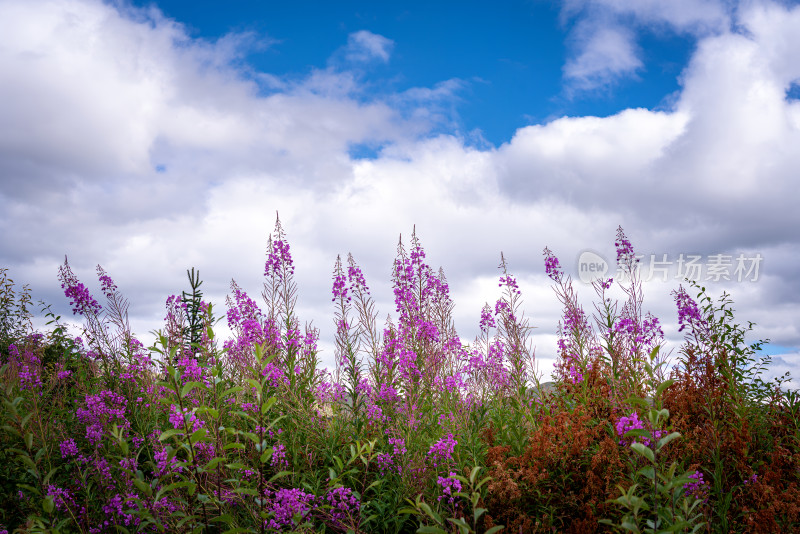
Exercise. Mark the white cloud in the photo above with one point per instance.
(606, 55)
(603, 39)
(364, 45)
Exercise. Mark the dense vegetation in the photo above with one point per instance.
(415, 431)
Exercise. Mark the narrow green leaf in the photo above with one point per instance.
(144, 488)
(280, 474)
(169, 433)
(666, 439)
(663, 386)
(188, 387)
(644, 451)
(267, 406)
(214, 462)
(494, 529)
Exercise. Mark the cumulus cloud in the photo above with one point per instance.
(604, 35)
(364, 45)
(125, 142)
(607, 54)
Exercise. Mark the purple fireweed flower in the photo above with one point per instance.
(340, 287)
(487, 321)
(116, 506)
(278, 460)
(279, 259)
(101, 411)
(450, 485)
(68, 448)
(625, 254)
(178, 418)
(286, 504)
(80, 299)
(62, 498)
(29, 368)
(107, 285)
(697, 487)
(385, 463)
(345, 507)
(688, 311)
(552, 266)
(355, 277)
(632, 422)
(164, 464)
(442, 451)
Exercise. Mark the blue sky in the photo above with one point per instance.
(508, 61)
(154, 137)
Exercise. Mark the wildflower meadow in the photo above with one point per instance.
(416, 430)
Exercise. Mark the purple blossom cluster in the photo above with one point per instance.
(552, 266)
(688, 312)
(286, 504)
(101, 411)
(697, 488)
(81, 300)
(646, 334)
(632, 422)
(29, 368)
(279, 265)
(391, 461)
(68, 448)
(487, 319)
(345, 506)
(625, 253)
(450, 486)
(107, 285)
(279, 460)
(441, 452)
(62, 498)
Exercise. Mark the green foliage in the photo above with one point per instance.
(656, 502)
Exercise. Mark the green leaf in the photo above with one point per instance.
(199, 435)
(29, 440)
(144, 488)
(188, 387)
(254, 383)
(27, 461)
(214, 462)
(267, 455)
(644, 451)
(494, 529)
(648, 472)
(267, 406)
(169, 433)
(431, 530)
(47, 504)
(279, 474)
(663, 386)
(666, 439)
